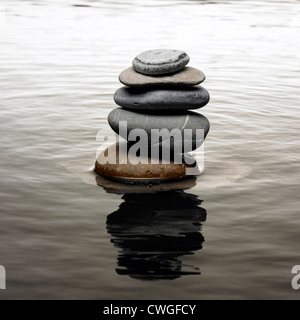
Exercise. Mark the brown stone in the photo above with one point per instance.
(186, 77)
(127, 171)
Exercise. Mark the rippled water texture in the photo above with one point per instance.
(234, 233)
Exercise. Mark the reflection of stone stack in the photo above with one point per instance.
(152, 245)
(159, 91)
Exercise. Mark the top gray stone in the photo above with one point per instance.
(160, 61)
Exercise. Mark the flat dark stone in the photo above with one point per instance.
(182, 98)
(148, 121)
(160, 61)
(188, 76)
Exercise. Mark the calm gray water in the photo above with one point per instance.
(234, 234)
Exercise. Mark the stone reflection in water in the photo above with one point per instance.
(154, 232)
(116, 187)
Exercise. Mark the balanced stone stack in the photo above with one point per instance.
(159, 91)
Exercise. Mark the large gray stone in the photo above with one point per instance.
(188, 76)
(184, 138)
(162, 98)
(160, 61)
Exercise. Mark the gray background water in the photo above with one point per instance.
(59, 66)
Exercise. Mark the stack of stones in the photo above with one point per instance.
(159, 91)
